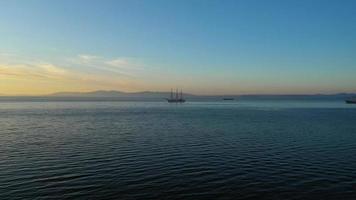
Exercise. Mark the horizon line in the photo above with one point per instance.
(202, 95)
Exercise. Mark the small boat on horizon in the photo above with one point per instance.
(351, 101)
(228, 99)
(178, 97)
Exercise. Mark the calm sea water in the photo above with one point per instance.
(198, 150)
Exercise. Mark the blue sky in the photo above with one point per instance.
(204, 47)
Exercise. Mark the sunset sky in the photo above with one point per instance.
(204, 47)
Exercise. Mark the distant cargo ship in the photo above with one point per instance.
(351, 101)
(178, 97)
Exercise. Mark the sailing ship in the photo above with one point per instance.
(177, 98)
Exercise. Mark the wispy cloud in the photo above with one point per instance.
(77, 65)
(53, 70)
(18, 71)
(82, 71)
(85, 58)
(123, 63)
(39, 70)
(120, 65)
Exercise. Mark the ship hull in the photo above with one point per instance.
(350, 101)
(175, 100)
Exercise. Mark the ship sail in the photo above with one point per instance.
(178, 97)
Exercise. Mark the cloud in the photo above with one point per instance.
(85, 58)
(37, 71)
(82, 72)
(52, 69)
(74, 66)
(121, 66)
(120, 63)
(117, 62)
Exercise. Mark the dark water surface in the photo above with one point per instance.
(152, 150)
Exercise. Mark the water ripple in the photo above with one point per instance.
(196, 151)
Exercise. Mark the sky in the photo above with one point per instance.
(202, 46)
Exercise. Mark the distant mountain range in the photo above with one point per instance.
(162, 95)
(117, 94)
(109, 95)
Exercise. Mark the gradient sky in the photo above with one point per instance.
(204, 47)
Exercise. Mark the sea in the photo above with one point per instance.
(218, 150)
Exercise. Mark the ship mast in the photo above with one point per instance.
(176, 96)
